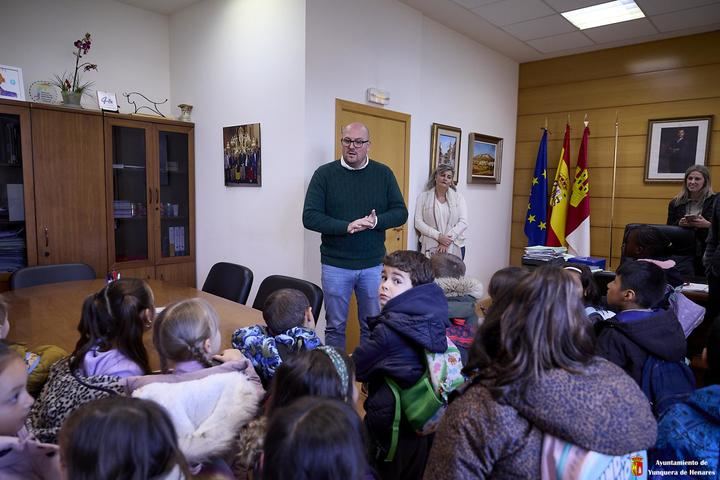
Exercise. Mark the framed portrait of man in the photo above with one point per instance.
(674, 145)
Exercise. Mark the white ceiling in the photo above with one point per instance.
(528, 30)
(166, 7)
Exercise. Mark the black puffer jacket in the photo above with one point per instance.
(627, 341)
(410, 323)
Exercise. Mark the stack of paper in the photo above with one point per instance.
(12, 250)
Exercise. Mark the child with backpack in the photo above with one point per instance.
(413, 320)
(21, 456)
(639, 330)
(534, 375)
(288, 330)
(462, 294)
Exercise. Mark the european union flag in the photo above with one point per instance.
(536, 217)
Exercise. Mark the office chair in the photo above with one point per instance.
(43, 274)
(230, 281)
(276, 282)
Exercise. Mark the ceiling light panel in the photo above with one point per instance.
(604, 14)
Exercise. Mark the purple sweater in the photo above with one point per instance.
(111, 362)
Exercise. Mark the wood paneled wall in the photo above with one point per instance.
(670, 78)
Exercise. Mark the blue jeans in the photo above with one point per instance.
(338, 285)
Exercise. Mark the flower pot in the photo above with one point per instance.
(71, 98)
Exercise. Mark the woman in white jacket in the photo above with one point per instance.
(441, 215)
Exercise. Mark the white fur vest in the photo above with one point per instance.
(207, 412)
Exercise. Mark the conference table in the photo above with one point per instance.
(49, 314)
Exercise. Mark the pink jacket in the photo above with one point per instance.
(24, 458)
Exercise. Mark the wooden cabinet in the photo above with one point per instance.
(150, 198)
(69, 177)
(17, 211)
(114, 191)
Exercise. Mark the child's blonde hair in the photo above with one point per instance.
(181, 330)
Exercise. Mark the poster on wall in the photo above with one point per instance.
(11, 83)
(241, 149)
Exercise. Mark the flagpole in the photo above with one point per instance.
(612, 194)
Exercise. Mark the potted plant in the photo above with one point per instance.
(71, 86)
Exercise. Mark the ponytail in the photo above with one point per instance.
(113, 318)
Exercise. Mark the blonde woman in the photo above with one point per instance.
(692, 208)
(441, 215)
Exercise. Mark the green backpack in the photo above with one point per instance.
(424, 403)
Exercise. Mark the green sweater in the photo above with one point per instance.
(337, 196)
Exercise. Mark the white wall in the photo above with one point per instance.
(238, 62)
(130, 45)
(433, 74)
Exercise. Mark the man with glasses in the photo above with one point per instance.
(351, 202)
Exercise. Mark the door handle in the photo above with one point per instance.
(47, 241)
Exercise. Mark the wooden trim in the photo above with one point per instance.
(678, 52)
(148, 119)
(61, 108)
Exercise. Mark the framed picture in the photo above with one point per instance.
(484, 158)
(445, 147)
(241, 149)
(674, 144)
(11, 83)
(107, 101)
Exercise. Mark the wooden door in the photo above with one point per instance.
(174, 173)
(390, 144)
(129, 193)
(17, 215)
(69, 175)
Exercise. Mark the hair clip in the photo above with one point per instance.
(339, 364)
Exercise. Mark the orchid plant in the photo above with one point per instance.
(75, 85)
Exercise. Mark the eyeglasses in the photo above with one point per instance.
(357, 143)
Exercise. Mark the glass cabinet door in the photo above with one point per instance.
(13, 246)
(174, 182)
(130, 193)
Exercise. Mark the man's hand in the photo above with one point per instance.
(367, 222)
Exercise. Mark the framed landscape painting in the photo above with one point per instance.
(484, 158)
(445, 147)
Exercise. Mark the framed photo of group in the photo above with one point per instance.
(484, 158)
(445, 147)
(674, 144)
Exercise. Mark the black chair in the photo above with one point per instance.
(228, 280)
(276, 282)
(681, 246)
(43, 274)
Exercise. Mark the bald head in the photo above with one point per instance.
(356, 129)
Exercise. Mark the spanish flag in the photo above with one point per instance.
(578, 217)
(559, 196)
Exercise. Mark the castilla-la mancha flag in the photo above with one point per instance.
(559, 196)
(578, 217)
